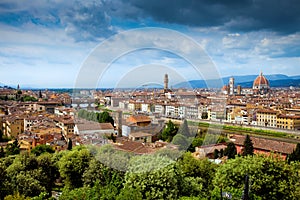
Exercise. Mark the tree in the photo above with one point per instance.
(295, 155)
(112, 137)
(13, 148)
(169, 131)
(184, 129)
(2, 153)
(98, 173)
(197, 175)
(1, 135)
(216, 153)
(104, 117)
(69, 144)
(48, 171)
(40, 149)
(129, 194)
(204, 115)
(248, 147)
(230, 150)
(16, 196)
(27, 176)
(72, 165)
(197, 142)
(181, 141)
(154, 176)
(270, 178)
(40, 94)
(3, 181)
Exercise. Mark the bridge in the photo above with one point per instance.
(83, 103)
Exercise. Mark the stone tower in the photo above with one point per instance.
(166, 82)
(231, 86)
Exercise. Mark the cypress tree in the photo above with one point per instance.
(230, 150)
(248, 147)
(295, 155)
(69, 144)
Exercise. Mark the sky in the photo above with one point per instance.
(131, 43)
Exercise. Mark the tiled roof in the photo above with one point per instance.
(266, 144)
(135, 147)
(139, 118)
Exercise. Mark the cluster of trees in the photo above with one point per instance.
(103, 117)
(105, 173)
(11, 149)
(188, 138)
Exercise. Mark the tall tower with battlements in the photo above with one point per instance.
(166, 82)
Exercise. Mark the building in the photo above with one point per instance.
(139, 120)
(13, 126)
(261, 85)
(89, 127)
(264, 146)
(207, 151)
(166, 82)
(231, 86)
(266, 117)
(140, 137)
(288, 121)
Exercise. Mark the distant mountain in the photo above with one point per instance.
(276, 80)
(276, 83)
(248, 78)
(295, 77)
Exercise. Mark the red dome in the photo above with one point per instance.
(261, 81)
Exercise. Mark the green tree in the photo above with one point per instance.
(156, 177)
(181, 141)
(72, 165)
(40, 149)
(204, 115)
(69, 144)
(129, 194)
(1, 135)
(197, 175)
(98, 173)
(48, 171)
(2, 153)
(26, 177)
(16, 196)
(96, 192)
(169, 131)
(248, 146)
(197, 142)
(4, 190)
(216, 153)
(184, 129)
(13, 148)
(230, 150)
(270, 177)
(104, 117)
(295, 155)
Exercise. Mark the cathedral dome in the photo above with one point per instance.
(261, 80)
(261, 83)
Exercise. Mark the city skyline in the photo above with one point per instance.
(45, 44)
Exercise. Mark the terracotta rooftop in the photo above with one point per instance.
(135, 147)
(139, 118)
(104, 126)
(266, 144)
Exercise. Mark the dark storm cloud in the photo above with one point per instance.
(91, 19)
(82, 20)
(241, 15)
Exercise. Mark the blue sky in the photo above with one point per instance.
(47, 43)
